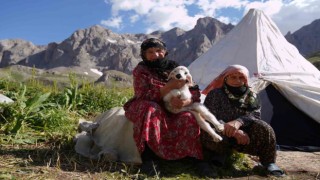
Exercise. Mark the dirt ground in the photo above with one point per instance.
(49, 164)
(295, 161)
(297, 165)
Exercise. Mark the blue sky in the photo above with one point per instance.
(45, 21)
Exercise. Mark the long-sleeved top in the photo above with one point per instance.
(170, 136)
(219, 104)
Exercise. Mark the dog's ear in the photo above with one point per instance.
(189, 77)
(171, 74)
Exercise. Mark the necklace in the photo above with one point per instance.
(248, 98)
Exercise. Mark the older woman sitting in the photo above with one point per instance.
(230, 99)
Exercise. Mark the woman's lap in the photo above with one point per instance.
(262, 142)
(170, 136)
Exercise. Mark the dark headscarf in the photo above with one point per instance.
(161, 66)
(151, 43)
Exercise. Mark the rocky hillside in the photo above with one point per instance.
(100, 48)
(13, 51)
(190, 45)
(93, 47)
(306, 39)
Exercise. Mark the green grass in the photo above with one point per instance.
(49, 109)
(315, 59)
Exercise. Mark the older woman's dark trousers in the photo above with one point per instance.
(262, 143)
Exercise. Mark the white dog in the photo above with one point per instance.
(200, 112)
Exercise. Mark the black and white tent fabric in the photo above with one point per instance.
(288, 84)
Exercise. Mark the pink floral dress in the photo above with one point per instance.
(170, 136)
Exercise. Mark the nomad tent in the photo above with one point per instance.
(289, 85)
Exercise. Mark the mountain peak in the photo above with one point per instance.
(307, 38)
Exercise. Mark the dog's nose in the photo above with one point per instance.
(178, 76)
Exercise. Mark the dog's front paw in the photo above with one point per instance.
(175, 92)
(220, 127)
(217, 138)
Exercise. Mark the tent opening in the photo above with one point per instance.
(293, 128)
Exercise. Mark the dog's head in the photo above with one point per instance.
(181, 72)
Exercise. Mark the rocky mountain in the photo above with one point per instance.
(306, 39)
(100, 48)
(93, 47)
(190, 45)
(13, 51)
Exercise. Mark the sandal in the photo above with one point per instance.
(274, 170)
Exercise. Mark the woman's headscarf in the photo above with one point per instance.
(151, 43)
(218, 82)
(161, 66)
(241, 97)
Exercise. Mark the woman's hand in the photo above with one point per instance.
(178, 103)
(175, 84)
(230, 128)
(242, 137)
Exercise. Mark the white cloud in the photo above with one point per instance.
(138, 6)
(270, 7)
(169, 17)
(113, 22)
(134, 18)
(167, 14)
(210, 7)
(158, 15)
(296, 14)
(224, 19)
